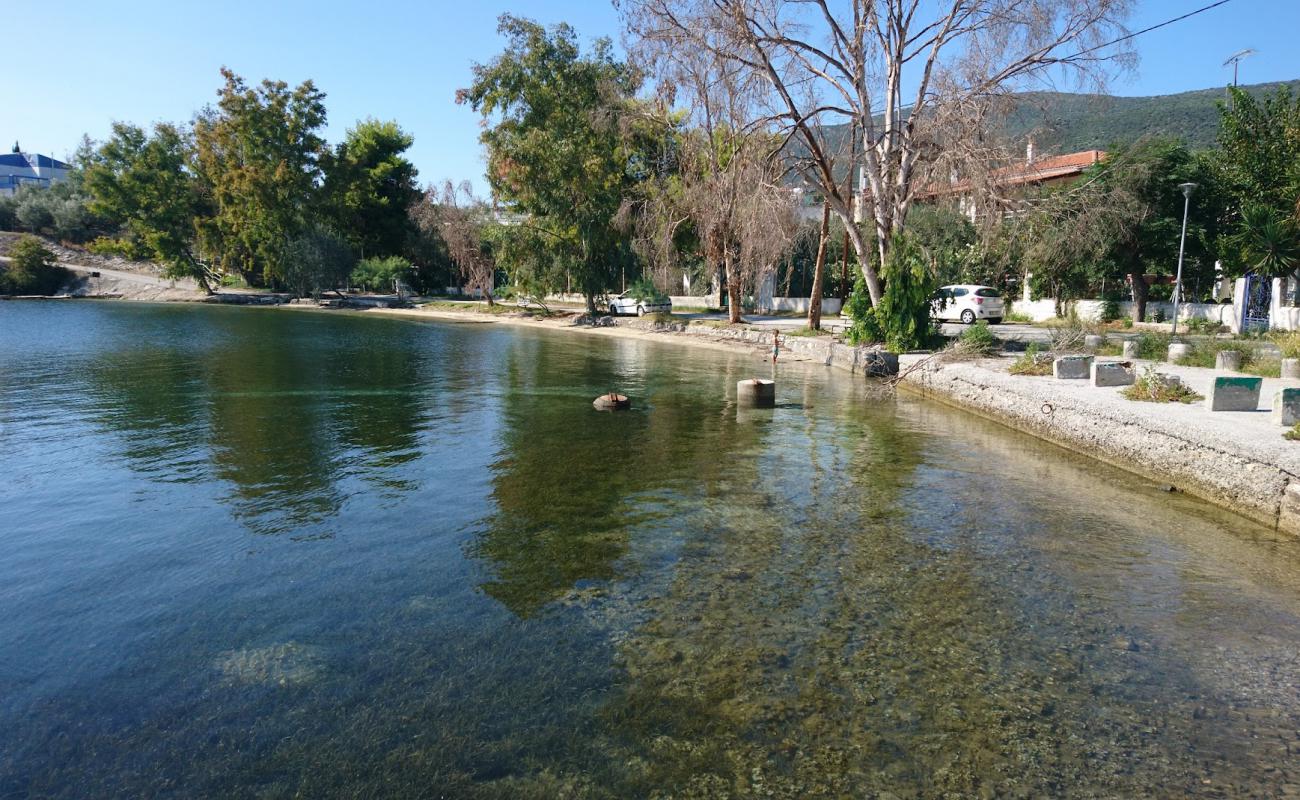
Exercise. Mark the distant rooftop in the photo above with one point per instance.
(31, 161)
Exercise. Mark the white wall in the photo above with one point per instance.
(1222, 313)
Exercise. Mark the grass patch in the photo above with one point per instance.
(1293, 434)
(1157, 387)
(1288, 343)
(1032, 362)
(806, 332)
(1253, 362)
(1017, 316)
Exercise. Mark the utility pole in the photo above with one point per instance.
(1187, 188)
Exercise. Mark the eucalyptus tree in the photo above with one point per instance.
(851, 62)
(258, 156)
(147, 182)
(463, 223)
(557, 160)
(729, 177)
(370, 186)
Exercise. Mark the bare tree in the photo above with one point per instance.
(729, 176)
(460, 220)
(851, 62)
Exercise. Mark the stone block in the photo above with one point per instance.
(1072, 367)
(1286, 406)
(1291, 369)
(1113, 373)
(756, 392)
(1229, 360)
(1234, 394)
(879, 363)
(1178, 350)
(1092, 341)
(1131, 349)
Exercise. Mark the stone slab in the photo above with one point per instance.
(1072, 367)
(1291, 368)
(1286, 406)
(1178, 350)
(1234, 394)
(1113, 373)
(1092, 341)
(1131, 349)
(1229, 360)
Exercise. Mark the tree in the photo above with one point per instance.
(462, 221)
(556, 159)
(258, 156)
(317, 260)
(147, 184)
(851, 64)
(1122, 221)
(31, 269)
(370, 186)
(380, 274)
(728, 177)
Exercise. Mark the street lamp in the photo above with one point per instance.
(1187, 188)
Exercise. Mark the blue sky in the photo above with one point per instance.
(73, 67)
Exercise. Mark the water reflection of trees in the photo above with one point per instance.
(280, 406)
(572, 484)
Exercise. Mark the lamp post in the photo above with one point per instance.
(1187, 188)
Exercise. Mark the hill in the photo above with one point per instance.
(1066, 123)
(1062, 122)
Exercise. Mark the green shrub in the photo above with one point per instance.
(979, 338)
(1153, 346)
(1109, 308)
(865, 326)
(1205, 354)
(1032, 362)
(644, 289)
(1288, 343)
(1156, 387)
(904, 310)
(378, 274)
(31, 269)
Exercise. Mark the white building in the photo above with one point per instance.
(19, 169)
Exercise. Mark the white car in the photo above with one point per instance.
(627, 304)
(967, 302)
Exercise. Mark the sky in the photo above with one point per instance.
(75, 67)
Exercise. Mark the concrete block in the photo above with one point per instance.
(1130, 349)
(1234, 394)
(879, 363)
(1113, 373)
(1178, 350)
(756, 392)
(1072, 367)
(1229, 360)
(1092, 341)
(1291, 369)
(1286, 407)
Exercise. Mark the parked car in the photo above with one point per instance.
(967, 302)
(625, 303)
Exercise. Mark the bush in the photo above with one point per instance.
(904, 311)
(1032, 362)
(317, 261)
(31, 269)
(1109, 308)
(1153, 346)
(1156, 387)
(644, 289)
(979, 338)
(378, 274)
(865, 327)
(1288, 343)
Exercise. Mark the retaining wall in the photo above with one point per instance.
(1256, 479)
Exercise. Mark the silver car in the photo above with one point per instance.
(627, 304)
(967, 302)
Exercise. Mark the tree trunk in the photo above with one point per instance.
(864, 259)
(1139, 285)
(819, 273)
(733, 290)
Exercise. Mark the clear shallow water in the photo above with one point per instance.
(252, 552)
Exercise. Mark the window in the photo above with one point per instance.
(987, 292)
(959, 292)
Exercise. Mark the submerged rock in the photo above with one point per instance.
(274, 665)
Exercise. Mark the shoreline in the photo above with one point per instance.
(1233, 460)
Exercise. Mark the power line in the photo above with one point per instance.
(1126, 37)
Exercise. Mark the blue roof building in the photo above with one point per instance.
(19, 169)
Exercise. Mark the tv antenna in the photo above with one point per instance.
(1235, 59)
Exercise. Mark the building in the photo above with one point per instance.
(21, 169)
(1014, 183)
